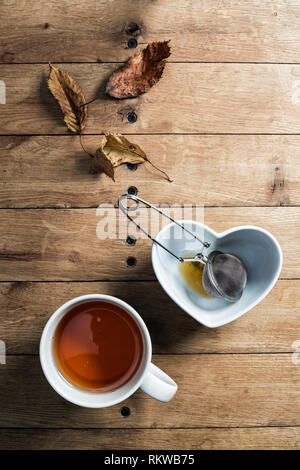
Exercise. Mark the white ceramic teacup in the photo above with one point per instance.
(148, 377)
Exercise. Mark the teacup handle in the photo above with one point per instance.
(158, 385)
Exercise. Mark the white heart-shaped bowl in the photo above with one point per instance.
(257, 247)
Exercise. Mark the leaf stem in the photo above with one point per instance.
(85, 104)
(83, 148)
(161, 171)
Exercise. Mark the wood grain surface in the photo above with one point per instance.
(47, 171)
(237, 389)
(224, 123)
(266, 438)
(200, 31)
(63, 244)
(211, 98)
(269, 327)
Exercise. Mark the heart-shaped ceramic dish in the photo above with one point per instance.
(257, 247)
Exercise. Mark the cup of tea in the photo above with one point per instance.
(96, 351)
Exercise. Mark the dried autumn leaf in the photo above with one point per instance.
(140, 73)
(115, 150)
(70, 98)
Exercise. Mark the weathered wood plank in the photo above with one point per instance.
(62, 244)
(212, 170)
(235, 31)
(212, 98)
(269, 327)
(224, 390)
(284, 438)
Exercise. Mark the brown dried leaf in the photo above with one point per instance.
(115, 150)
(70, 98)
(140, 73)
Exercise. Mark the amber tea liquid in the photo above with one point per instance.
(192, 273)
(98, 346)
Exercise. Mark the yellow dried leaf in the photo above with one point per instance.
(115, 150)
(70, 98)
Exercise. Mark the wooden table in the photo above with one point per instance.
(224, 121)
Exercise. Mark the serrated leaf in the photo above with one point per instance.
(70, 98)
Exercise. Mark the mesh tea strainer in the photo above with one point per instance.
(224, 274)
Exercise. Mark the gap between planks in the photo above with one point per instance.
(213, 353)
(168, 62)
(187, 206)
(73, 281)
(184, 134)
(280, 426)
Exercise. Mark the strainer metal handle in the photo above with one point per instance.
(198, 257)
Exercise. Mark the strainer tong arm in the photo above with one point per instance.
(198, 257)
